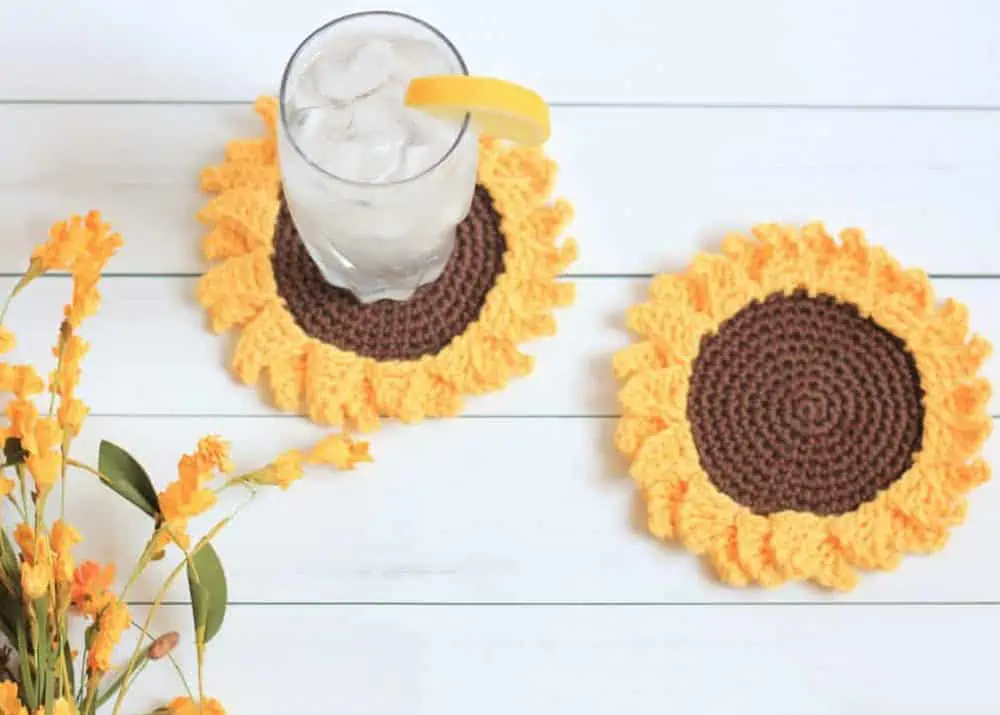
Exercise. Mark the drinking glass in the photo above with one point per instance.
(376, 190)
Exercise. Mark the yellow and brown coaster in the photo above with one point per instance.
(799, 406)
(340, 362)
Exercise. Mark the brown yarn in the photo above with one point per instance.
(394, 330)
(800, 403)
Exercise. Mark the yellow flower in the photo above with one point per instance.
(36, 573)
(186, 706)
(64, 538)
(340, 451)
(62, 706)
(214, 451)
(71, 415)
(187, 496)
(86, 301)
(90, 589)
(48, 434)
(6, 487)
(7, 340)
(23, 417)
(111, 623)
(180, 501)
(67, 242)
(44, 461)
(285, 470)
(22, 380)
(81, 243)
(101, 245)
(35, 580)
(24, 535)
(65, 379)
(45, 468)
(10, 702)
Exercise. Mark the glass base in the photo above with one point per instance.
(374, 291)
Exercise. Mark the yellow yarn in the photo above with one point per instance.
(338, 387)
(913, 515)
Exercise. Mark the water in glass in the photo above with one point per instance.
(375, 189)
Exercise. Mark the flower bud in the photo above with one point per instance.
(163, 645)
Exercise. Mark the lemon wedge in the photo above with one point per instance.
(501, 109)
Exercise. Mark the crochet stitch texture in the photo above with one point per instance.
(920, 479)
(338, 387)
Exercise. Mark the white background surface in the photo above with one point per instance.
(496, 563)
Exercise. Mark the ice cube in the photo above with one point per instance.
(361, 161)
(417, 158)
(342, 79)
(419, 57)
(374, 62)
(378, 116)
(432, 131)
(303, 93)
(321, 123)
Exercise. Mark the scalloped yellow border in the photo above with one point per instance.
(913, 515)
(338, 387)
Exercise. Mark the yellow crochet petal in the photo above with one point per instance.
(913, 515)
(236, 291)
(225, 241)
(269, 338)
(342, 388)
(256, 151)
(250, 212)
(337, 388)
(657, 393)
(288, 382)
(241, 175)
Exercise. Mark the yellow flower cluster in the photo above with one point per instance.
(91, 586)
(112, 621)
(187, 706)
(90, 595)
(188, 496)
(45, 573)
(46, 560)
(10, 703)
(82, 246)
(337, 450)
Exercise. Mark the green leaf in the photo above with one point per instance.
(30, 694)
(8, 559)
(127, 477)
(209, 592)
(43, 649)
(11, 613)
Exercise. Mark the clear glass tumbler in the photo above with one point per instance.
(376, 190)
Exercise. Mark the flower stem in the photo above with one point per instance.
(157, 602)
(173, 660)
(87, 468)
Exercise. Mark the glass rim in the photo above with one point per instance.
(337, 21)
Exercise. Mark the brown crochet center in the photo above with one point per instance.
(394, 330)
(799, 403)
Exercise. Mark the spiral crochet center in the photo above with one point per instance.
(800, 403)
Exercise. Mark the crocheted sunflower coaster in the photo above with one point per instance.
(799, 407)
(341, 362)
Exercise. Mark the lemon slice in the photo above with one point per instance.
(501, 109)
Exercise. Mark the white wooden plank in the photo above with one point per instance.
(152, 352)
(595, 661)
(487, 510)
(825, 51)
(665, 183)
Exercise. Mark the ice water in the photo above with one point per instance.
(376, 189)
